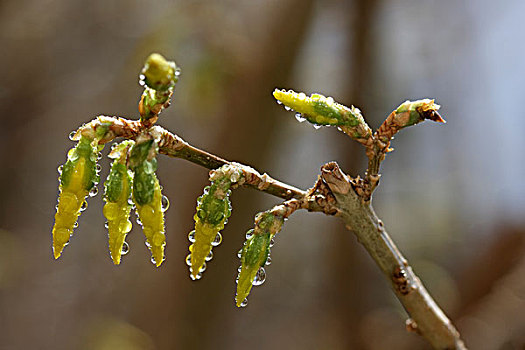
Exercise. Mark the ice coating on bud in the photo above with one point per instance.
(78, 177)
(213, 210)
(147, 196)
(117, 208)
(255, 252)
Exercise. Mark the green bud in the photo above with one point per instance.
(160, 74)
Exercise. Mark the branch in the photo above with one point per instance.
(426, 318)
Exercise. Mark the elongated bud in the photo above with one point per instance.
(407, 114)
(321, 110)
(255, 252)
(158, 77)
(213, 210)
(117, 194)
(148, 197)
(78, 177)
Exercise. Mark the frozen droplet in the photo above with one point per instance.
(72, 135)
(196, 277)
(99, 156)
(106, 224)
(217, 240)
(142, 80)
(239, 269)
(329, 100)
(188, 260)
(287, 108)
(244, 302)
(301, 96)
(191, 236)
(279, 102)
(138, 220)
(249, 234)
(84, 206)
(165, 203)
(260, 277)
(56, 207)
(203, 268)
(177, 72)
(268, 261)
(147, 244)
(272, 242)
(75, 225)
(60, 169)
(98, 167)
(125, 248)
(299, 117)
(93, 192)
(239, 253)
(130, 201)
(209, 256)
(317, 126)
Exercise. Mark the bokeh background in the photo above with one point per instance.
(452, 195)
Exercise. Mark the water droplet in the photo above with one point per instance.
(106, 224)
(98, 167)
(99, 156)
(93, 192)
(260, 277)
(130, 201)
(142, 80)
(268, 261)
(272, 242)
(56, 207)
(217, 240)
(191, 236)
(138, 220)
(279, 102)
(84, 206)
(153, 261)
(287, 108)
(249, 234)
(235, 177)
(239, 269)
(197, 277)
(209, 256)
(188, 260)
(72, 135)
(317, 126)
(239, 253)
(125, 248)
(203, 268)
(75, 225)
(244, 302)
(177, 72)
(60, 169)
(299, 117)
(165, 203)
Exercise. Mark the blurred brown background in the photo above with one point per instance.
(452, 196)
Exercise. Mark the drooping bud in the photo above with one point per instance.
(79, 176)
(117, 194)
(148, 197)
(213, 210)
(255, 252)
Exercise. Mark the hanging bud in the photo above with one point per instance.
(255, 252)
(407, 114)
(78, 177)
(213, 210)
(148, 197)
(321, 110)
(117, 207)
